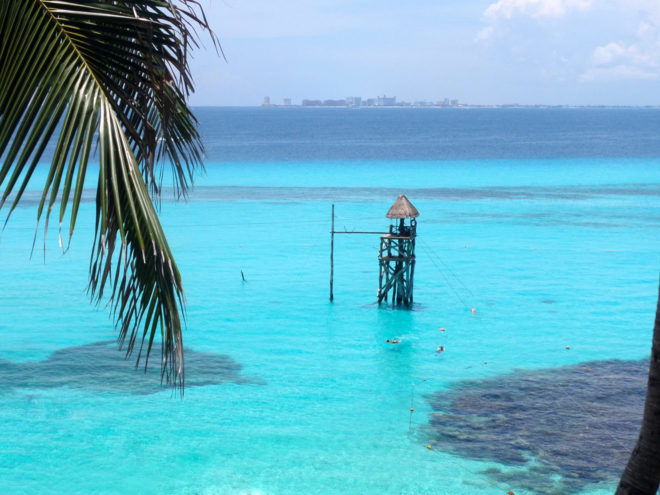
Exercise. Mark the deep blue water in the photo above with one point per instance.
(547, 222)
(303, 134)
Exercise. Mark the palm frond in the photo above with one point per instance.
(114, 74)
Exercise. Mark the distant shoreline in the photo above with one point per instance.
(436, 107)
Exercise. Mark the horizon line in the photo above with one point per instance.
(460, 106)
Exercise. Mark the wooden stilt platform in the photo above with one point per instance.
(396, 256)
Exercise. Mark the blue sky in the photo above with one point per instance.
(476, 51)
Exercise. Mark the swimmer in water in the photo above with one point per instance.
(441, 348)
(393, 341)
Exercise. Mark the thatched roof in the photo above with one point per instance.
(402, 208)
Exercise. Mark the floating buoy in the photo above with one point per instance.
(474, 310)
(429, 447)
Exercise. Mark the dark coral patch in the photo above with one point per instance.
(560, 429)
(101, 367)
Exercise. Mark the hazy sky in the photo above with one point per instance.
(477, 51)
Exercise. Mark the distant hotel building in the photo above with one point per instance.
(312, 103)
(334, 103)
(384, 101)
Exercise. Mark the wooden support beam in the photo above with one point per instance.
(356, 232)
(393, 279)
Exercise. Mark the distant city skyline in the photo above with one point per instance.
(358, 101)
(486, 52)
(389, 102)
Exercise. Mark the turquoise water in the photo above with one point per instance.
(550, 253)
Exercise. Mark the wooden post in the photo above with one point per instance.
(332, 253)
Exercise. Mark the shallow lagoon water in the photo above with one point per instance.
(549, 252)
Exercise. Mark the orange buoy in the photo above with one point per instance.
(429, 447)
(510, 492)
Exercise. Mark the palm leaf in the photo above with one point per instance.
(111, 76)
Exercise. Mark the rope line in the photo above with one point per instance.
(447, 281)
(447, 267)
(597, 427)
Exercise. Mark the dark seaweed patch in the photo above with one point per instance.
(560, 429)
(100, 367)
